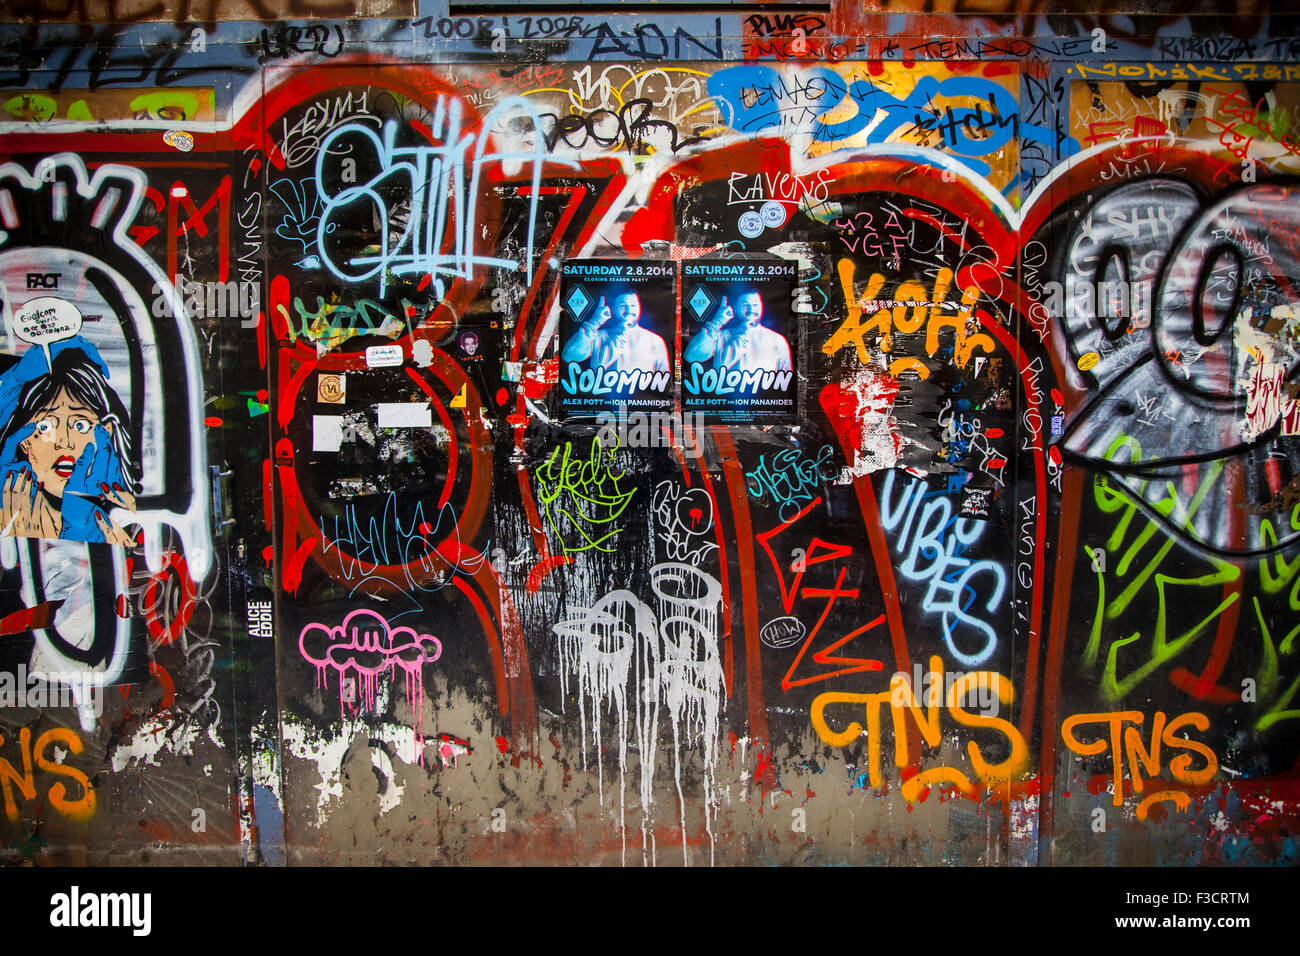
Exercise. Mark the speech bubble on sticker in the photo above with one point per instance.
(179, 139)
(47, 319)
(1088, 360)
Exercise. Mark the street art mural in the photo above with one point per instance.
(865, 436)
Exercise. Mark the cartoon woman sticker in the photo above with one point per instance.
(65, 448)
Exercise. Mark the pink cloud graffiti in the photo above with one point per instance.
(367, 645)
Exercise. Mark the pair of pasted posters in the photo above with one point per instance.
(628, 327)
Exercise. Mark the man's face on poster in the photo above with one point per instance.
(750, 310)
(627, 309)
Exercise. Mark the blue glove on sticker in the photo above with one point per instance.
(98, 465)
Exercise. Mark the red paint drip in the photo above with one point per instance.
(168, 685)
(278, 311)
(1273, 474)
(261, 341)
(544, 567)
(503, 745)
(293, 567)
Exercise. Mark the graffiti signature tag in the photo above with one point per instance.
(583, 494)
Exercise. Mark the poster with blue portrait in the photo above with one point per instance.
(617, 337)
(69, 475)
(104, 483)
(65, 447)
(740, 349)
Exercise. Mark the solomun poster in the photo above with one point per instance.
(739, 357)
(617, 336)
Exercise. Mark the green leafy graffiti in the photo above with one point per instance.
(583, 496)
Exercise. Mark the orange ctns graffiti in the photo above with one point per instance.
(42, 755)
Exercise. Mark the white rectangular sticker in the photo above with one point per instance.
(379, 356)
(326, 432)
(405, 415)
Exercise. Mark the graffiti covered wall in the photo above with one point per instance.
(785, 436)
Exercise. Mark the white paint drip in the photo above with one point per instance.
(154, 736)
(670, 659)
(690, 672)
(324, 751)
(599, 646)
(390, 795)
(328, 751)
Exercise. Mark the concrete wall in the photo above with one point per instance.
(330, 516)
